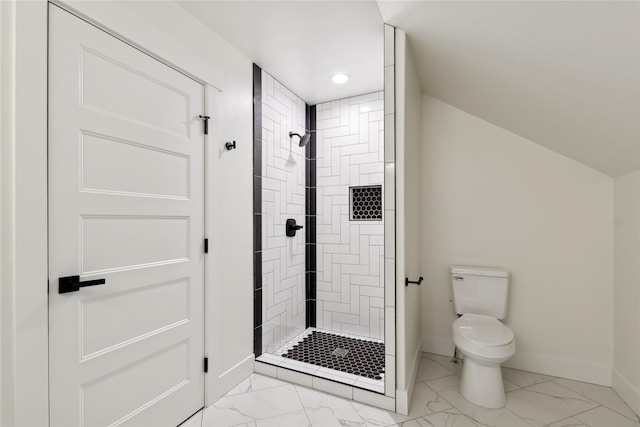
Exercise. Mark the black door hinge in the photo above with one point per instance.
(206, 365)
(206, 246)
(206, 123)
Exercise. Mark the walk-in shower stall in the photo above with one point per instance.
(320, 212)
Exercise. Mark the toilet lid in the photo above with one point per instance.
(484, 330)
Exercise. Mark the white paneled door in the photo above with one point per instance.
(126, 177)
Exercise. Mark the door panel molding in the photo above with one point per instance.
(131, 349)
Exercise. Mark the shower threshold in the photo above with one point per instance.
(344, 358)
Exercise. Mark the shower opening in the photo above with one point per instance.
(319, 294)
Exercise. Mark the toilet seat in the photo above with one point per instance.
(483, 330)
(483, 336)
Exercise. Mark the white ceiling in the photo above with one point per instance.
(565, 74)
(304, 43)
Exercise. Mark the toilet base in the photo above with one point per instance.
(481, 384)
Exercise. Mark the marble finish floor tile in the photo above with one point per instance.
(447, 388)
(547, 402)
(243, 387)
(298, 418)
(605, 396)
(255, 382)
(604, 417)
(509, 386)
(250, 406)
(448, 418)
(445, 362)
(568, 422)
(430, 370)
(524, 378)
(326, 410)
(262, 401)
(260, 382)
(376, 417)
(424, 401)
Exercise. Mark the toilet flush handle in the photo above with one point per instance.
(458, 278)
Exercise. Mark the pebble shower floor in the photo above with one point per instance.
(345, 354)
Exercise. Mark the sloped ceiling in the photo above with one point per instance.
(564, 74)
(304, 43)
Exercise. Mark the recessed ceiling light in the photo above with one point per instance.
(340, 79)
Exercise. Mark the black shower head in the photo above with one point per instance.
(304, 139)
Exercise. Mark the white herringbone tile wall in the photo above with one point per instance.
(283, 196)
(350, 257)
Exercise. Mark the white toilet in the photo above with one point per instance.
(480, 296)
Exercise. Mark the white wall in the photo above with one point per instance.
(283, 196)
(350, 257)
(626, 365)
(409, 219)
(493, 198)
(170, 33)
(6, 135)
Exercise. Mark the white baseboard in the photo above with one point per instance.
(573, 369)
(403, 397)
(227, 380)
(627, 391)
(438, 345)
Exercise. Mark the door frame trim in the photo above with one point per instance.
(24, 333)
(101, 27)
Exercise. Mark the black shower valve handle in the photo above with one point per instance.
(291, 227)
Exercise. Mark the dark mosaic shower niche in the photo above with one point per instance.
(351, 355)
(366, 203)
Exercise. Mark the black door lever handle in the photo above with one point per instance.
(73, 284)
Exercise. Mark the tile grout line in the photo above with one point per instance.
(469, 416)
(600, 404)
(455, 409)
(304, 408)
(279, 415)
(542, 382)
(571, 416)
(516, 415)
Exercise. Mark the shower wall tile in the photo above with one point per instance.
(283, 196)
(350, 254)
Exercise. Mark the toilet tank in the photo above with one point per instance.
(480, 290)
